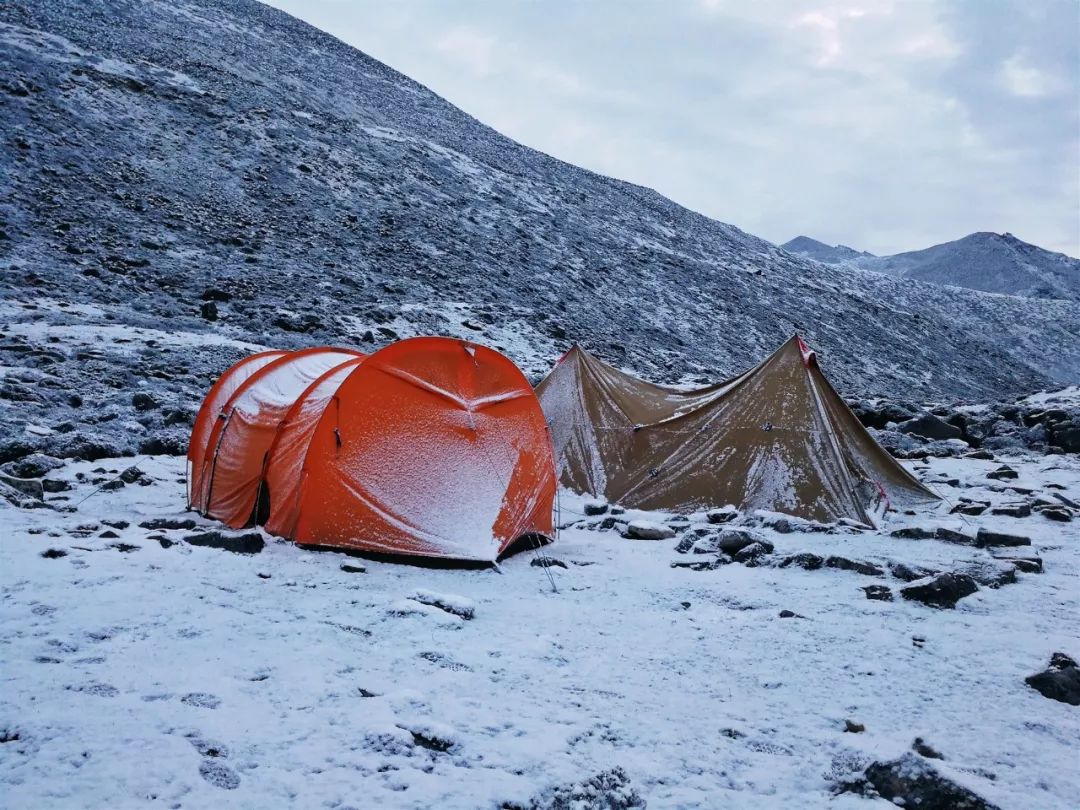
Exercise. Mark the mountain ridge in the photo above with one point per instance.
(984, 260)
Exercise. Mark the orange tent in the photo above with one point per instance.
(431, 447)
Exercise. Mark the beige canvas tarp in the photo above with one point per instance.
(777, 438)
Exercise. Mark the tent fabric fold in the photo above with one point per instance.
(777, 438)
(430, 447)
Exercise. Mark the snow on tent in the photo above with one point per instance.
(430, 447)
(777, 438)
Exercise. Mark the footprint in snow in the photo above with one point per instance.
(201, 699)
(445, 662)
(97, 689)
(219, 774)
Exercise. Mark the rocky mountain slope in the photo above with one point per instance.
(184, 182)
(820, 252)
(992, 262)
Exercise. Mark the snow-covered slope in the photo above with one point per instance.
(167, 163)
(144, 669)
(992, 262)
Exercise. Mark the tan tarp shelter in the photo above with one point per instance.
(777, 438)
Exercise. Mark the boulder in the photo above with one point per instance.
(929, 426)
(1017, 510)
(990, 574)
(647, 530)
(35, 465)
(723, 515)
(953, 536)
(749, 555)
(879, 593)
(943, 591)
(1003, 473)
(910, 573)
(912, 782)
(1028, 565)
(913, 533)
(732, 541)
(970, 508)
(30, 487)
(1060, 681)
(858, 566)
(806, 560)
(594, 508)
(986, 538)
(1056, 513)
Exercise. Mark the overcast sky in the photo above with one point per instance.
(887, 126)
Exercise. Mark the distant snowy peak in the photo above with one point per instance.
(819, 251)
(991, 262)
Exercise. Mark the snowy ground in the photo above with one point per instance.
(196, 677)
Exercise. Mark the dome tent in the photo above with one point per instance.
(777, 438)
(432, 447)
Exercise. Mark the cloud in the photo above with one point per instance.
(884, 124)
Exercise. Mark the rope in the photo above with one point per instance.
(134, 466)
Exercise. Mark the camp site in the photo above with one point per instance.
(539, 406)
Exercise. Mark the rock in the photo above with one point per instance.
(929, 426)
(53, 553)
(54, 485)
(749, 555)
(157, 524)
(35, 465)
(723, 515)
(594, 508)
(991, 575)
(853, 728)
(953, 536)
(1003, 473)
(1018, 510)
(250, 543)
(979, 455)
(647, 530)
(790, 614)
(112, 486)
(732, 541)
(143, 402)
(859, 566)
(1028, 565)
(1060, 681)
(910, 573)
(922, 749)
(352, 569)
(806, 560)
(914, 533)
(943, 591)
(986, 538)
(1056, 513)
(879, 593)
(970, 508)
(913, 783)
(31, 488)
(547, 562)
(209, 311)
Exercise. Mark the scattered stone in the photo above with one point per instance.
(109, 534)
(125, 548)
(921, 748)
(1018, 510)
(979, 455)
(853, 728)
(547, 562)
(35, 465)
(879, 593)
(1060, 681)
(1056, 513)
(990, 575)
(970, 508)
(858, 566)
(953, 536)
(914, 533)
(751, 554)
(53, 554)
(143, 402)
(431, 740)
(943, 591)
(910, 573)
(250, 543)
(986, 538)
(912, 782)
(353, 569)
(450, 603)
(1003, 473)
(723, 515)
(1028, 565)
(647, 530)
(930, 427)
(790, 614)
(806, 560)
(594, 508)
(31, 488)
(112, 486)
(732, 541)
(167, 523)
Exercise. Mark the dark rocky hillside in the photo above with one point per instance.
(182, 182)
